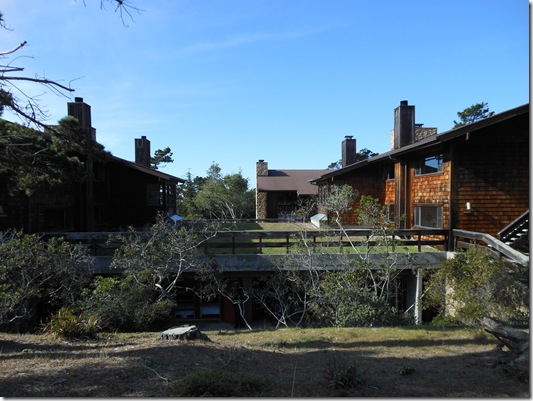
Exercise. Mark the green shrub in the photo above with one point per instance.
(218, 384)
(446, 320)
(341, 373)
(475, 284)
(66, 324)
(365, 308)
(128, 304)
(37, 277)
(346, 302)
(406, 370)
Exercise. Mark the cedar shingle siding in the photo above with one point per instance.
(485, 163)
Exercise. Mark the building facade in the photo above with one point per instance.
(113, 195)
(475, 177)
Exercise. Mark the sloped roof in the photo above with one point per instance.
(289, 180)
(147, 170)
(431, 140)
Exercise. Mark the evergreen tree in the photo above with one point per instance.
(473, 113)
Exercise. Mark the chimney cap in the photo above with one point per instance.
(261, 160)
(404, 103)
(78, 99)
(348, 136)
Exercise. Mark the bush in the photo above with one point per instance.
(38, 277)
(446, 320)
(341, 373)
(128, 304)
(475, 284)
(345, 301)
(218, 384)
(364, 308)
(66, 324)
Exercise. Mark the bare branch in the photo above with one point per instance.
(13, 50)
(6, 69)
(38, 80)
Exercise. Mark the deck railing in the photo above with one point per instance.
(259, 242)
(469, 239)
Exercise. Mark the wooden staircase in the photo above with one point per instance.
(516, 234)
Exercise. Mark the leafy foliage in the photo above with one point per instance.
(225, 197)
(339, 200)
(363, 154)
(341, 373)
(161, 156)
(69, 325)
(347, 301)
(406, 370)
(129, 303)
(35, 162)
(186, 194)
(37, 277)
(473, 113)
(164, 250)
(152, 262)
(475, 284)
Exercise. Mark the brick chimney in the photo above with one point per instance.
(142, 151)
(261, 168)
(349, 151)
(82, 112)
(404, 125)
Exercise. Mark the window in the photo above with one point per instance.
(428, 216)
(153, 192)
(390, 172)
(430, 165)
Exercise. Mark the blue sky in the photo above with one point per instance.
(281, 80)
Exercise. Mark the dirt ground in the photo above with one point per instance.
(410, 362)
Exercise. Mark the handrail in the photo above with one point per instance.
(518, 222)
(236, 240)
(492, 242)
(243, 239)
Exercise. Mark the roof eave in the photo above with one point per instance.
(147, 170)
(429, 141)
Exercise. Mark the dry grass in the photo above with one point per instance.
(440, 363)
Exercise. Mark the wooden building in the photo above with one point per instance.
(278, 192)
(117, 193)
(475, 177)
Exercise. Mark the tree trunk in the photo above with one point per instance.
(183, 333)
(517, 342)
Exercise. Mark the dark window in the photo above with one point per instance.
(390, 172)
(428, 216)
(430, 165)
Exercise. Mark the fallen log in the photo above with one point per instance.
(517, 344)
(184, 333)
